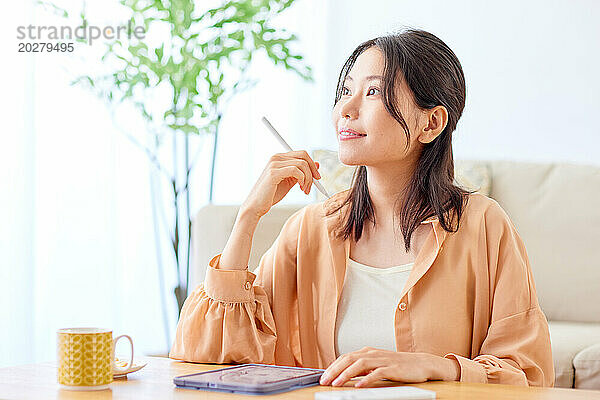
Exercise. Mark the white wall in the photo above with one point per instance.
(533, 87)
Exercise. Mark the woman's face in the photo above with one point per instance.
(361, 109)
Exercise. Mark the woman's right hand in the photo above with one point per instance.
(281, 173)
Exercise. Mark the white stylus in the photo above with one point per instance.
(287, 146)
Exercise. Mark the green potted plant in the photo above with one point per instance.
(204, 62)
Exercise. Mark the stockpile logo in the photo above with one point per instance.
(37, 38)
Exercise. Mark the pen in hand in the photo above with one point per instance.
(287, 146)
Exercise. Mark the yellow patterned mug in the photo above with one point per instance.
(86, 358)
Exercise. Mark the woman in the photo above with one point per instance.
(447, 296)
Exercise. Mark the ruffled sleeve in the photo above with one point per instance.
(225, 320)
(517, 349)
(228, 318)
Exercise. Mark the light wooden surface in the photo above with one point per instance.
(155, 381)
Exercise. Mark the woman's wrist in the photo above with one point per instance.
(236, 253)
(444, 369)
(247, 217)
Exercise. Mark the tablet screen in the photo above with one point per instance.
(253, 374)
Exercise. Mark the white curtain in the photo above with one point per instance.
(77, 238)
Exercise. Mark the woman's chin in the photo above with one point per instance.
(349, 159)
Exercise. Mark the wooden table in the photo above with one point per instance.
(155, 381)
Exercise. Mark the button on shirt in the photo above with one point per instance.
(368, 305)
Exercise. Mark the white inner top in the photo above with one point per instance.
(367, 307)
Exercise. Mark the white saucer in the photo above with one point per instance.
(133, 368)
(83, 388)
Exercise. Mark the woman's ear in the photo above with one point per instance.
(436, 120)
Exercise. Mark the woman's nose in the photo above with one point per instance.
(349, 109)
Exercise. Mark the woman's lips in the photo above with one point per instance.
(349, 137)
(347, 134)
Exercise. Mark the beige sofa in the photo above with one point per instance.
(556, 209)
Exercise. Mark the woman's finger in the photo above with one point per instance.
(308, 176)
(359, 367)
(291, 171)
(336, 367)
(304, 166)
(373, 376)
(306, 157)
(299, 165)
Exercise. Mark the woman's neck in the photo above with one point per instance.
(387, 185)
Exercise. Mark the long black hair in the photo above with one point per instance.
(435, 77)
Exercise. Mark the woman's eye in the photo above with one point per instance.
(346, 91)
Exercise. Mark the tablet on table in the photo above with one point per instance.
(251, 379)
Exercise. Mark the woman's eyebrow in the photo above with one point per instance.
(367, 78)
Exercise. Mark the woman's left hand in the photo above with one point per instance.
(384, 364)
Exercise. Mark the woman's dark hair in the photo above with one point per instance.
(435, 77)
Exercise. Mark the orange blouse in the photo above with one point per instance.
(470, 296)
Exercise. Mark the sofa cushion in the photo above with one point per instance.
(587, 368)
(555, 210)
(568, 339)
(473, 175)
(336, 177)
